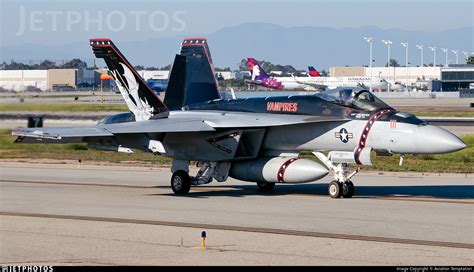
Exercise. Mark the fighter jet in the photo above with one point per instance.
(253, 139)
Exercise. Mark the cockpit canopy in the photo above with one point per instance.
(356, 98)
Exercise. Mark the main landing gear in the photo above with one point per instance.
(181, 181)
(342, 186)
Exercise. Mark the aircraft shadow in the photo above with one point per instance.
(431, 191)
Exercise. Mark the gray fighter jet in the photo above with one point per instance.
(253, 139)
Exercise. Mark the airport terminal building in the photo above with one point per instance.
(50, 80)
(446, 79)
(56, 79)
(451, 78)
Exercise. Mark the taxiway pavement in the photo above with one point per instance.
(72, 214)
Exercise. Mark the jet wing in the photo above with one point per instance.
(160, 126)
(182, 121)
(58, 135)
(266, 120)
(252, 120)
(77, 134)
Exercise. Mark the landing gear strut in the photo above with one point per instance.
(342, 185)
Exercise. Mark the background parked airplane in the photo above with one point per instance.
(311, 83)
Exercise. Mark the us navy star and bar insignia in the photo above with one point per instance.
(343, 135)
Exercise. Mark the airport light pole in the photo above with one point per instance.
(420, 46)
(456, 53)
(370, 41)
(388, 43)
(445, 50)
(434, 55)
(409, 63)
(405, 44)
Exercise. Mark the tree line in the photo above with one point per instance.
(44, 65)
(80, 64)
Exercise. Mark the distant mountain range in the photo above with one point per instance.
(322, 47)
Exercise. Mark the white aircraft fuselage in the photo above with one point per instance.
(313, 83)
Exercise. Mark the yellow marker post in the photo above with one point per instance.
(203, 240)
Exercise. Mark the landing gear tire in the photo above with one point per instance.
(335, 189)
(266, 187)
(347, 189)
(342, 185)
(180, 182)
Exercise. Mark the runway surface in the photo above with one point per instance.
(132, 216)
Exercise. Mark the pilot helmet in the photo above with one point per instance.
(346, 94)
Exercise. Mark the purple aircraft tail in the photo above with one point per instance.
(256, 71)
(260, 77)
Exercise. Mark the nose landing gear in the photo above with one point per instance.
(338, 189)
(348, 189)
(342, 186)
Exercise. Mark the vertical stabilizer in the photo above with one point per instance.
(313, 72)
(256, 70)
(192, 78)
(140, 99)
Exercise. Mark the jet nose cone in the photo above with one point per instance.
(435, 140)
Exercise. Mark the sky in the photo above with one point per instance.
(49, 22)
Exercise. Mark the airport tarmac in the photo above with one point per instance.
(87, 214)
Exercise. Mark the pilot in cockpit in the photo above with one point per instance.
(346, 96)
